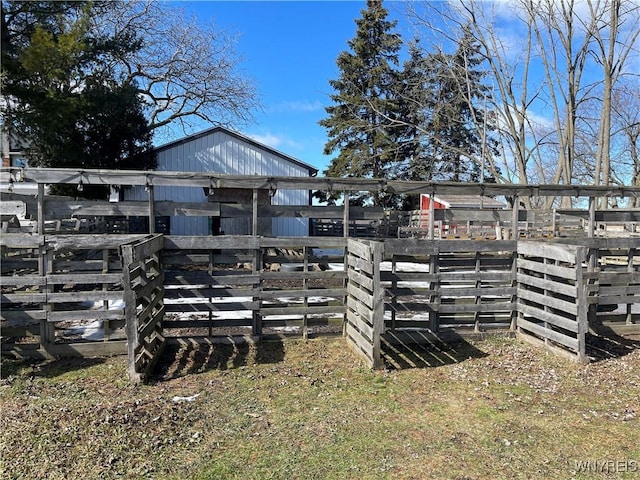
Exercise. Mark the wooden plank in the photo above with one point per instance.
(71, 315)
(300, 293)
(547, 301)
(538, 282)
(211, 307)
(563, 253)
(96, 241)
(22, 316)
(364, 312)
(360, 264)
(302, 310)
(548, 317)
(144, 248)
(83, 278)
(360, 340)
(552, 335)
(387, 276)
(169, 324)
(556, 350)
(231, 242)
(204, 278)
(360, 280)
(313, 275)
(21, 240)
(363, 296)
(85, 296)
(199, 293)
(291, 242)
(476, 308)
(555, 270)
(358, 248)
(492, 291)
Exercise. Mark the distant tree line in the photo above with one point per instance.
(543, 93)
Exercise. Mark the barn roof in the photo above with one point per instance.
(313, 171)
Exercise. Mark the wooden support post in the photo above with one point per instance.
(478, 299)
(152, 209)
(305, 287)
(514, 217)
(345, 216)
(47, 330)
(256, 268)
(432, 211)
(131, 318)
(254, 213)
(40, 224)
(434, 298)
(378, 303)
(581, 302)
(106, 327)
(591, 227)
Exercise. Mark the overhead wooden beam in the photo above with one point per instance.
(198, 179)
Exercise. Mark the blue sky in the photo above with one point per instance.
(290, 48)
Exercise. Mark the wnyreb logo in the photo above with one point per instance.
(606, 466)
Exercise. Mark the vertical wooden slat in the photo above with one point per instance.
(514, 217)
(581, 301)
(591, 227)
(345, 215)
(377, 254)
(131, 319)
(254, 213)
(152, 209)
(40, 224)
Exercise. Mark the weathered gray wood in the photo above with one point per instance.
(548, 301)
(178, 242)
(21, 240)
(538, 282)
(192, 179)
(563, 253)
(553, 335)
(548, 317)
(302, 310)
(568, 273)
(299, 293)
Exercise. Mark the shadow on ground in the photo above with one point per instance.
(425, 350)
(190, 356)
(607, 344)
(48, 368)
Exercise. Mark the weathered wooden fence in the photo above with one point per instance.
(62, 295)
(552, 301)
(143, 280)
(364, 320)
(443, 284)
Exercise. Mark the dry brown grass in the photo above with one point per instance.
(495, 409)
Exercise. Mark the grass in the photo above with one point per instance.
(297, 410)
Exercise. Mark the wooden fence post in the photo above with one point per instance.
(377, 254)
(131, 319)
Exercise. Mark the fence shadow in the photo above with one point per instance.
(189, 356)
(424, 349)
(48, 368)
(607, 344)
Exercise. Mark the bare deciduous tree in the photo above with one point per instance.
(185, 70)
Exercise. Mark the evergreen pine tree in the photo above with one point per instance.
(361, 124)
(456, 120)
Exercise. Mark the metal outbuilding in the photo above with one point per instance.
(223, 151)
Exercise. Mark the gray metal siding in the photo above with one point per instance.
(221, 153)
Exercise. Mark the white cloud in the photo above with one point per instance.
(297, 106)
(279, 142)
